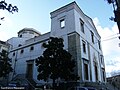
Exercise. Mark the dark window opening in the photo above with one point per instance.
(99, 44)
(102, 59)
(14, 54)
(103, 74)
(96, 72)
(82, 25)
(20, 35)
(84, 47)
(22, 51)
(29, 73)
(19, 45)
(92, 36)
(31, 48)
(86, 71)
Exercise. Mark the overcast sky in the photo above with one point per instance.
(36, 14)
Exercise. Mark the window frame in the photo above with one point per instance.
(84, 46)
(86, 72)
(103, 74)
(86, 69)
(96, 71)
(82, 25)
(62, 23)
(99, 44)
(92, 37)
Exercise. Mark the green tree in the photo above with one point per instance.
(55, 62)
(9, 7)
(5, 64)
(110, 1)
(116, 7)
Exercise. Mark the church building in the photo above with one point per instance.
(80, 37)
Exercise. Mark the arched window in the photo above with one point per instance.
(31, 48)
(21, 51)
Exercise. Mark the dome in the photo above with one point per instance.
(28, 32)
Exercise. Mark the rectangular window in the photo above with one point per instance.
(62, 23)
(84, 46)
(96, 72)
(86, 71)
(29, 73)
(102, 59)
(103, 74)
(82, 25)
(99, 45)
(29, 69)
(92, 36)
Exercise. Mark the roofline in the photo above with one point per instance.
(63, 7)
(4, 43)
(75, 6)
(93, 25)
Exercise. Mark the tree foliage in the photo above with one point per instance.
(55, 62)
(5, 64)
(9, 7)
(110, 1)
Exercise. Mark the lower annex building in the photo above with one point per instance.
(81, 39)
